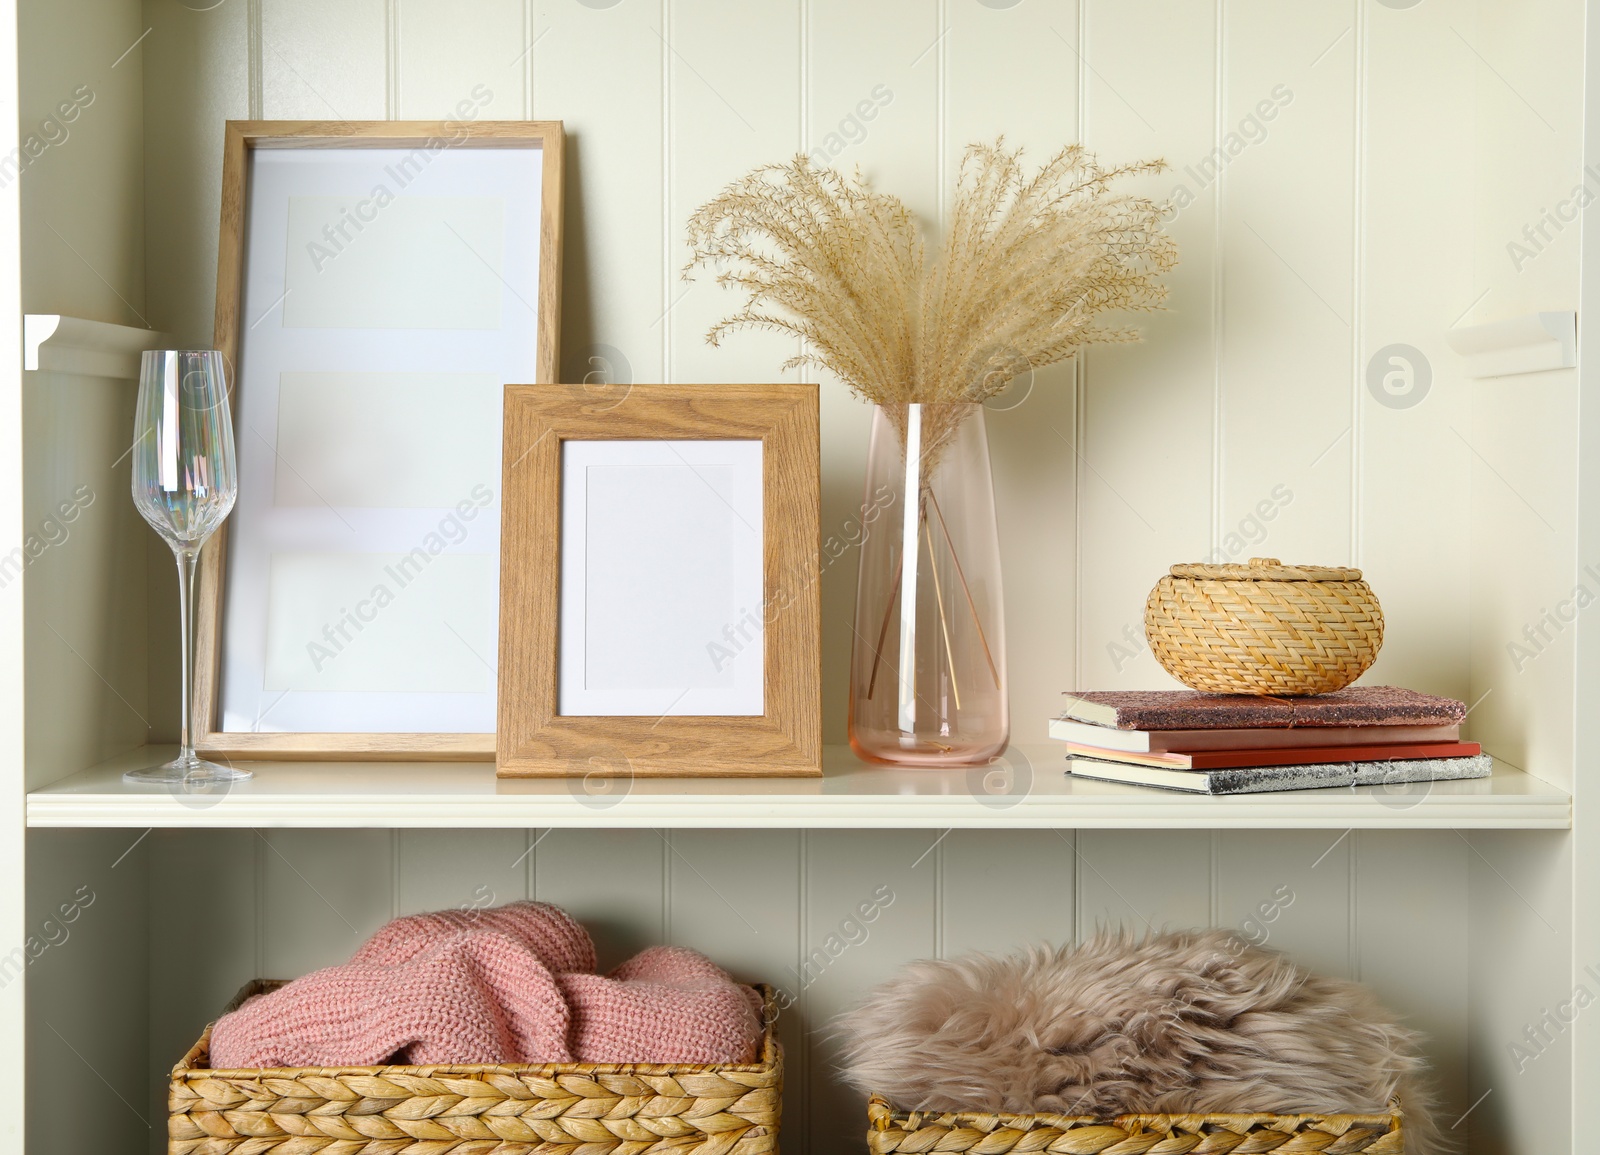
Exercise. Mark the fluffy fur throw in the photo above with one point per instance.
(1177, 1023)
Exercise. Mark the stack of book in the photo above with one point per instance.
(1232, 744)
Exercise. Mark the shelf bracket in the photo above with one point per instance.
(61, 344)
(1532, 343)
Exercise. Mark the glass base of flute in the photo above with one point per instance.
(188, 771)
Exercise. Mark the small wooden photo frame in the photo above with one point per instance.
(378, 283)
(660, 608)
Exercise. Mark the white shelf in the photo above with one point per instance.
(850, 794)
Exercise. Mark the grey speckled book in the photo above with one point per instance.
(1262, 779)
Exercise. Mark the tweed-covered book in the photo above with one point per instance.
(1262, 779)
(1192, 710)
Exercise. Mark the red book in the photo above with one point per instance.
(1263, 738)
(1304, 756)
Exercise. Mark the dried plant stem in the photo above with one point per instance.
(994, 670)
(972, 606)
(944, 622)
(883, 630)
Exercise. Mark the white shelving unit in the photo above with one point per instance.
(1028, 790)
(1298, 399)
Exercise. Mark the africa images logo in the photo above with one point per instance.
(1399, 376)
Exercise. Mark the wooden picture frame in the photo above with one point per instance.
(536, 739)
(422, 142)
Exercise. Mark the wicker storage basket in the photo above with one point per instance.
(1264, 628)
(985, 1134)
(575, 1108)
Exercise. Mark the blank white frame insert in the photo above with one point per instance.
(661, 579)
(368, 419)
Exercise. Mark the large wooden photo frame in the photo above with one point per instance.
(378, 283)
(703, 502)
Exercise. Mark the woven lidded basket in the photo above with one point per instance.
(583, 1108)
(916, 1132)
(1264, 628)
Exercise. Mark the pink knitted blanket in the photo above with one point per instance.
(513, 984)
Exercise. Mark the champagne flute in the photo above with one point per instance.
(184, 484)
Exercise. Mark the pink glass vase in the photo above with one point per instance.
(928, 666)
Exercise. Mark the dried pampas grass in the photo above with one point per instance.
(1028, 265)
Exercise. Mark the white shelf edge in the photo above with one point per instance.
(1141, 818)
(62, 344)
(1531, 343)
(851, 796)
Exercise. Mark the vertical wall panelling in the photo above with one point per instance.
(598, 69)
(460, 869)
(391, 55)
(82, 206)
(1528, 69)
(667, 53)
(612, 881)
(84, 964)
(322, 896)
(197, 63)
(254, 87)
(82, 254)
(1527, 574)
(1014, 71)
(13, 626)
(1358, 272)
(453, 53)
(197, 60)
(1220, 545)
(868, 909)
(75, 914)
(204, 940)
(1146, 459)
(1354, 891)
(855, 53)
(530, 32)
(1418, 282)
(732, 896)
(321, 61)
(1413, 906)
(1288, 890)
(1586, 752)
(800, 1055)
(1143, 880)
(1288, 236)
(86, 601)
(1521, 991)
(733, 83)
(1005, 890)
